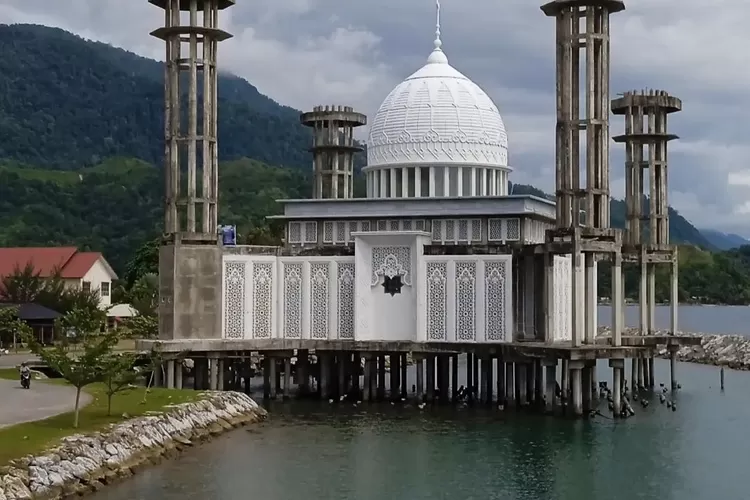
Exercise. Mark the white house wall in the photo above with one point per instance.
(466, 299)
(288, 297)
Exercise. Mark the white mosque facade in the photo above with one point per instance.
(437, 251)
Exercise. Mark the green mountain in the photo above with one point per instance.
(81, 130)
(67, 103)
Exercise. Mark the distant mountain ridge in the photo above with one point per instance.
(724, 241)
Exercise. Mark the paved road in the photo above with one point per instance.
(18, 405)
(13, 360)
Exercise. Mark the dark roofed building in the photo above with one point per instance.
(41, 320)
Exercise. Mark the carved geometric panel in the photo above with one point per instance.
(234, 300)
(262, 300)
(345, 301)
(495, 232)
(463, 230)
(437, 300)
(466, 298)
(494, 296)
(391, 261)
(319, 307)
(561, 282)
(513, 229)
(292, 301)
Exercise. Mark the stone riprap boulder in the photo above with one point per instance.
(84, 463)
(732, 351)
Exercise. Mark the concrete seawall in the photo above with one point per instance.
(732, 351)
(86, 463)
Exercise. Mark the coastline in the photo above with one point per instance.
(85, 463)
(731, 351)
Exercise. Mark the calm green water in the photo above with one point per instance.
(329, 452)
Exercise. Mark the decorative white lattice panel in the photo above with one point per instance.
(319, 300)
(345, 300)
(437, 301)
(466, 299)
(292, 300)
(234, 299)
(562, 281)
(262, 315)
(496, 303)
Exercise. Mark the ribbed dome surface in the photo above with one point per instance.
(437, 116)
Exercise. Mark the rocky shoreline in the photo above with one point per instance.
(732, 351)
(86, 463)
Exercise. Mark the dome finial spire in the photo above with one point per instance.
(438, 42)
(437, 56)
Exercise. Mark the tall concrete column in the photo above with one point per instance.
(618, 369)
(420, 378)
(213, 373)
(170, 363)
(550, 367)
(576, 387)
(178, 370)
(510, 393)
(287, 377)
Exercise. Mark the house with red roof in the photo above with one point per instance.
(82, 270)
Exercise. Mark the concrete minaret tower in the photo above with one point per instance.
(647, 236)
(190, 258)
(582, 177)
(191, 32)
(333, 149)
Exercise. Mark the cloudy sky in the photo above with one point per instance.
(307, 52)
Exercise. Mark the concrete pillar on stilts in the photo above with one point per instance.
(170, 373)
(287, 377)
(673, 368)
(342, 365)
(395, 375)
(550, 385)
(510, 393)
(576, 367)
(381, 377)
(403, 379)
(520, 386)
(618, 370)
(489, 361)
(213, 373)
(420, 377)
(586, 388)
(529, 372)
(266, 377)
(367, 386)
(539, 387)
(430, 365)
(274, 375)
(324, 380)
(178, 370)
(454, 378)
(470, 376)
(501, 394)
(565, 383)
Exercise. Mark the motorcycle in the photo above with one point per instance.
(26, 380)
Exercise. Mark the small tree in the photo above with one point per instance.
(119, 373)
(143, 326)
(82, 368)
(11, 327)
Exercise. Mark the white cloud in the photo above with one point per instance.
(307, 52)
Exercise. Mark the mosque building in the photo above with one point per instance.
(437, 251)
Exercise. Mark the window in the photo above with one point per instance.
(104, 289)
(86, 286)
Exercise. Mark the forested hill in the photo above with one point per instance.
(81, 139)
(68, 103)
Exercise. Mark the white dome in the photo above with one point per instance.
(437, 116)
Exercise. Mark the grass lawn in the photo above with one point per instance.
(123, 345)
(33, 437)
